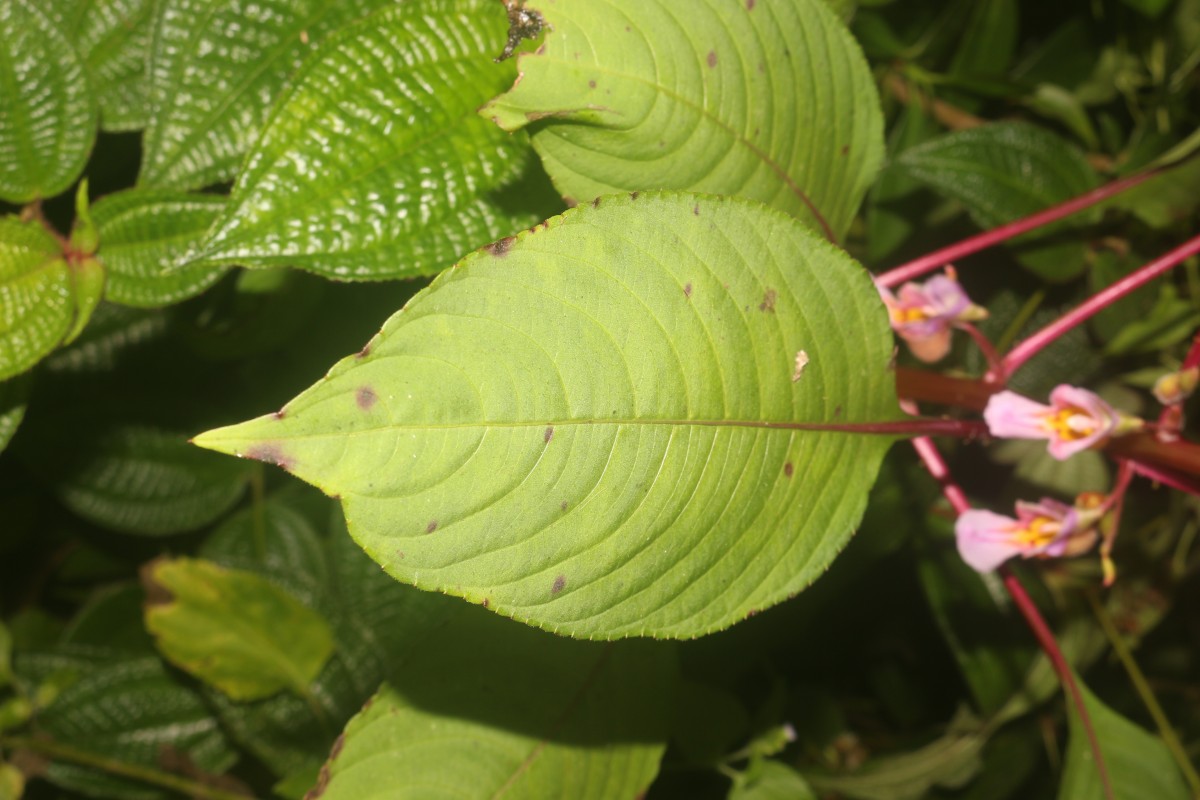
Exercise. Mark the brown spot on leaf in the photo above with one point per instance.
(596, 203)
(559, 583)
(280, 414)
(548, 434)
(501, 247)
(634, 195)
(712, 58)
(768, 302)
(366, 351)
(749, 5)
(156, 594)
(432, 526)
(563, 505)
(270, 453)
(845, 149)
(687, 290)
(788, 469)
(591, 84)
(399, 554)
(696, 209)
(837, 412)
(486, 602)
(365, 397)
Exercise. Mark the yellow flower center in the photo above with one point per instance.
(1040, 531)
(1069, 424)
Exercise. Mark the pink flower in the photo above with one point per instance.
(924, 314)
(1046, 529)
(1075, 420)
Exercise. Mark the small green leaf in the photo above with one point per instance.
(770, 780)
(1004, 171)
(36, 304)
(1172, 320)
(598, 427)
(540, 717)
(12, 782)
(14, 395)
(235, 630)
(47, 110)
(132, 711)
(379, 132)
(138, 479)
(773, 102)
(142, 233)
(1138, 765)
(113, 38)
(216, 66)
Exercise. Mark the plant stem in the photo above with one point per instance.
(1098, 302)
(135, 771)
(939, 258)
(1066, 675)
(1145, 693)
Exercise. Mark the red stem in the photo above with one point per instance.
(1049, 645)
(939, 258)
(1192, 359)
(1098, 302)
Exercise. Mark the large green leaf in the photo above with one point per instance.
(1005, 171)
(235, 630)
(37, 303)
(375, 164)
(142, 233)
(771, 100)
(542, 717)
(216, 66)
(598, 427)
(1138, 765)
(113, 38)
(47, 110)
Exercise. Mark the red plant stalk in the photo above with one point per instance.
(1097, 303)
(939, 258)
(936, 465)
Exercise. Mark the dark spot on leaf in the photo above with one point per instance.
(338, 743)
(696, 209)
(837, 412)
(596, 203)
(523, 23)
(570, 201)
(486, 602)
(335, 496)
(270, 453)
(845, 149)
(687, 290)
(788, 469)
(712, 58)
(591, 84)
(549, 434)
(768, 302)
(752, 612)
(399, 554)
(749, 5)
(563, 505)
(322, 782)
(432, 526)
(634, 195)
(280, 414)
(559, 583)
(627, 29)
(365, 397)
(501, 247)
(366, 351)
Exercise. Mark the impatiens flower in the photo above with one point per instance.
(1045, 529)
(923, 314)
(1075, 420)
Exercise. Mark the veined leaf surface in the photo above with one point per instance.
(216, 66)
(599, 427)
(770, 100)
(37, 303)
(47, 111)
(375, 164)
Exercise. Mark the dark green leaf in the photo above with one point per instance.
(142, 233)
(216, 66)
(1004, 171)
(772, 102)
(378, 133)
(600, 428)
(47, 110)
(235, 630)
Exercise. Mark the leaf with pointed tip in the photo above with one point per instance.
(771, 100)
(598, 428)
(1137, 764)
(234, 630)
(142, 233)
(1007, 170)
(216, 66)
(14, 394)
(375, 164)
(47, 110)
(112, 38)
(37, 305)
(541, 717)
